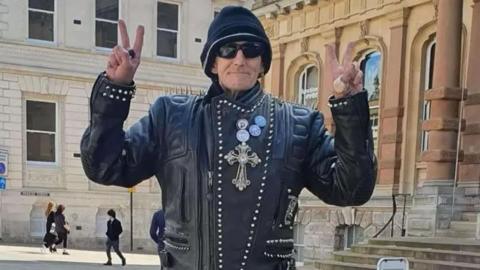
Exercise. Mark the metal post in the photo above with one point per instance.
(403, 215)
(131, 221)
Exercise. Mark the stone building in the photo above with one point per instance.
(50, 54)
(420, 63)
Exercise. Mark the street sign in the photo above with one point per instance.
(3, 162)
(131, 190)
(3, 183)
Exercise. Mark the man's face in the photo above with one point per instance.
(238, 69)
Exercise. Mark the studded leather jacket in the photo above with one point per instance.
(230, 203)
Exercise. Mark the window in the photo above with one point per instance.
(41, 19)
(307, 94)
(41, 131)
(167, 29)
(429, 64)
(371, 68)
(106, 23)
(299, 245)
(346, 236)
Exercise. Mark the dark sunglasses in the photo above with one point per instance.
(249, 50)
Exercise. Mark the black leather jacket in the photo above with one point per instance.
(185, 142)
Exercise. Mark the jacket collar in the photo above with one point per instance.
(246, 98)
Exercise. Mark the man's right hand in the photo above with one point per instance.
(122, 65)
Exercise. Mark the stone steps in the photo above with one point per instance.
(414, 263)
(335, 265)
(469, 216)
(422, 254)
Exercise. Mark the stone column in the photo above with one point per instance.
(470, 168)
(392, 106)
(445, 95)
(431, 212)
(277, 70)
(469, 173)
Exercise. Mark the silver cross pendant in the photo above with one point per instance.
(243, 158)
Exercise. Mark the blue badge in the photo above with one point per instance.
(242, 124)
(243, 135)
(255, 130)
(260, 121)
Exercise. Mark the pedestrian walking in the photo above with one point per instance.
(50, 234)
(157, 229)
(114, 229)
(62, 228)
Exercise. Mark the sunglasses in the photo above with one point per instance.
(249, 50)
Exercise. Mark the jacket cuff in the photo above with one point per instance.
(110, 99)
(354, 104)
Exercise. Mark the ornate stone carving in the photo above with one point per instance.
(304, 44)
(364, 29)
(435, 6)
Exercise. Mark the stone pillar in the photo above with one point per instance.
(392, 107)
(277, 70)
(445, 95)
(469, 173)
(431, 211)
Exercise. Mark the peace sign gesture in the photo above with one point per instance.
(347, 77)
(124, 61)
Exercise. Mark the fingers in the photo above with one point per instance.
(138, 45)
(348, 55)
(112, 61)
(122, 27)
(331, 55)
(121, 54)
(358, 81)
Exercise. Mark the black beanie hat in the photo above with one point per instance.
(234, 24)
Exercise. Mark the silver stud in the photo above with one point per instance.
(104, 94)
(114, 90)
(124, 99)
(111, 96)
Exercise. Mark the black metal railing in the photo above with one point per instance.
(391, 221)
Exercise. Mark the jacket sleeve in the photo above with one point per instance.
(119, 229)
(109, 155)
(154, 228)
(342, 172)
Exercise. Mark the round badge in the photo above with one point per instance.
(260, 121)
(254, 130)
(242, 124)
(243, 135)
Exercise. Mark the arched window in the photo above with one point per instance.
(429, 60)
(372, 76)
(308, 87)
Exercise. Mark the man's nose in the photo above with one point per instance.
(239, 58)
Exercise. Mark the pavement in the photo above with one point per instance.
(16, 257)
(31, 258)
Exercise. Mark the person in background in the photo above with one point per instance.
(62, 228)
(50, 236)
(114, 229)
(157, 229)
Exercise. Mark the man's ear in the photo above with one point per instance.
(214, 68)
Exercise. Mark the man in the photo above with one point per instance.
(232, 163)
(114, 229)
(157, 229)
